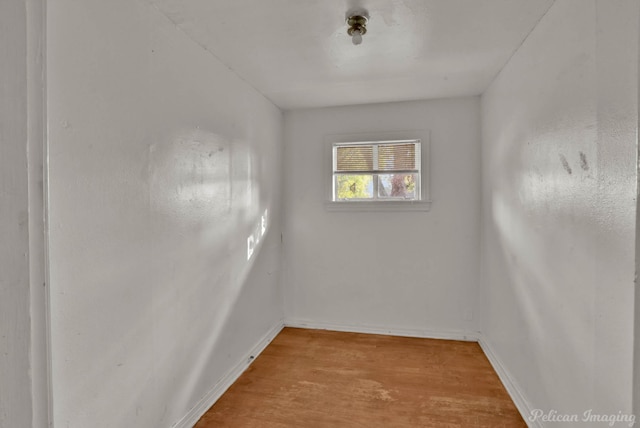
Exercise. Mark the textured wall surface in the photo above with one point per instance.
(162, 165)
(413, 271)
(559, 188)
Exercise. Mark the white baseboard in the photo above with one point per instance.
(389, 331)
(196, 412)
(510, 384)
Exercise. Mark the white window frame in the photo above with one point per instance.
(423, 204)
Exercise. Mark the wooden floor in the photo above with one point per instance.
(317, 378)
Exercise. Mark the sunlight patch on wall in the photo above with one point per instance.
(256, 237)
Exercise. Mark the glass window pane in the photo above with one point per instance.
(354, 186)
(400, 186)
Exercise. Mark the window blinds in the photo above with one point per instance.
(397, 157)
(385, 157)
(354, 158)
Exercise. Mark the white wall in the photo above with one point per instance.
(23, 354)
(162, 162)
(15, 325)
(559, 188)
(420, 268)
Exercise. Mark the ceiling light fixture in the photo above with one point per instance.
(357, 28)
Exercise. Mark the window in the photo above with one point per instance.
(386, 170)
(377, 174)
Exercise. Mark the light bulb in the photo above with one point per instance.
(356, 37)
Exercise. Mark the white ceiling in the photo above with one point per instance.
(297, 52)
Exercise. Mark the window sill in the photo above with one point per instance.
(378, 206)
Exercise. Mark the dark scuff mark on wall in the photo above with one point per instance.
(583, 162)
(565, 164)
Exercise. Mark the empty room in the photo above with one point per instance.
(319, 213)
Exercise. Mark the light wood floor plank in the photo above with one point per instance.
(317, 378)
